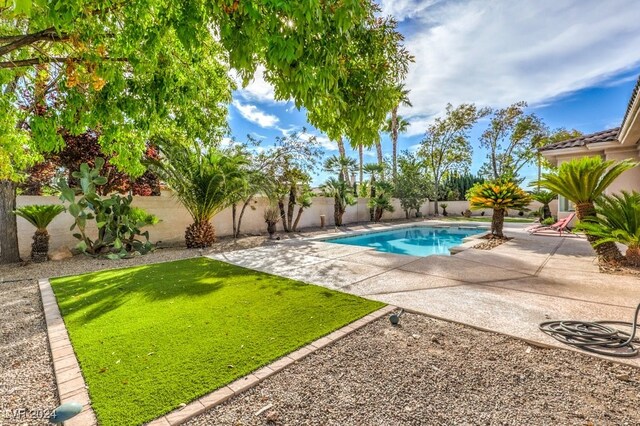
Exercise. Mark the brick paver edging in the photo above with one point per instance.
(71, 385)
(219, 396)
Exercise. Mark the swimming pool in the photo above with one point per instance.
(414, 241)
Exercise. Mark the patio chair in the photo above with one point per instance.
(556, 229)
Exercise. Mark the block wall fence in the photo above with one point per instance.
(174, 218)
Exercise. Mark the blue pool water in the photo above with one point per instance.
(413, 241)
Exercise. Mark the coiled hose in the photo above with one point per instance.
(598, 337)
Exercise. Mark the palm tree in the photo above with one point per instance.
(205, 182)
(342, 195)
(499, 196)
(582, 181)
(617, 221)
(545, 198)
(340, 165)
(401, 126)
(381, 202)
(39, 216)
(373, 170)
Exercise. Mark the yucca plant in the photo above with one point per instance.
(582, 181)
(545, 198)
(342, 196)
(499, 196)
(271, 217)
(617, 220)
(205, 182)
(40, 216)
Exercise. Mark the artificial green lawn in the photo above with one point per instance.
(152, 337)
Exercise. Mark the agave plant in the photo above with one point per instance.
(582, 181)
(545, 198)
(342, 195)
(499, 196)
(617, 220)
(40, 216)
(205, 182)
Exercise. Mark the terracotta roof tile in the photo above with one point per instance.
(604, 136)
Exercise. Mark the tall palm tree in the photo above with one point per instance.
(394, 125)
(617, 220)
(394, 129)
(582, 181)
(205, 181)
(342, 196)
(340, 165)
(40, 216)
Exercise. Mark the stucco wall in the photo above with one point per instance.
(174, 219)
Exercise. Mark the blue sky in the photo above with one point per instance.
(574, 62)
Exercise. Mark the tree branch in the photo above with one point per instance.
(53, 60)
(16, 42)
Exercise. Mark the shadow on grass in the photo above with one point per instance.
(96, 294)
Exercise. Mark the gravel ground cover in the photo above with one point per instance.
(431, 372)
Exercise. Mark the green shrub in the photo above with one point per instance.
(548, 221)
(142, 217)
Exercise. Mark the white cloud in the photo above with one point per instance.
(258, 90)
(255, 115)
(499, 52)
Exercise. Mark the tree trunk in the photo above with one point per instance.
(497, 223)
(244, 207)
(606, 252)
(361, 163)
(9, 252)
(299, 215)
(40, 246)
(633, 256)
(200, 235)
(380, 157)
(372, 191)
(435, 201)
(290, 207)
(343, 154)
(337, 213)
(394, 141)
(406, 213)
(283, 214)
(546, 211)
(233, 220)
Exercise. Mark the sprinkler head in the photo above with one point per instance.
(65, 412)
(394, 319)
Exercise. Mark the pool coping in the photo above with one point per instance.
(72, 386)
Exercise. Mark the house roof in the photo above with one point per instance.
(634, 95)
(603, 136)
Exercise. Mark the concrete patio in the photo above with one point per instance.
(509, 289)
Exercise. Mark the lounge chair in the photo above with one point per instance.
(556, 229)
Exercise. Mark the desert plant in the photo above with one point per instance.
(466, 213)
(142, 217)
(499, 196)
(205, 181)
(381, 201)
(271, 217)
(340, 190)
(582, 181)
(617, 220)
(545, 198)
(118, 227)
(40, 216)
(444, 209)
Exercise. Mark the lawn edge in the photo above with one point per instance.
(69, 380)
(247, 382)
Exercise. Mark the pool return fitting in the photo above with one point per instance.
(597, 337)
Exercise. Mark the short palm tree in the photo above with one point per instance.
(341, 166)
(617, 220)
(205, 182)
(499, 196)
(545, 198)
(582, 181)
(381, 201)
(342, 196)
(40, 216)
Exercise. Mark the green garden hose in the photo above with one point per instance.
(598, 337)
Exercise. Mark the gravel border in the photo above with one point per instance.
(428, 371)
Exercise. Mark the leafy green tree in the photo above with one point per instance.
(582, 181)
(617, 220)
(40, 216)
(342, 195)
(205, 181)
(511, 140)
(375, 172)
(557, 135)
(456, 185)
(500, 197)
(135, 69)
(411, 185)
(445, 148)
